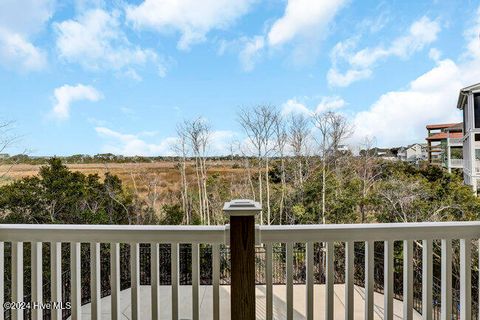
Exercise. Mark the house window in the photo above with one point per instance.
(476, 108)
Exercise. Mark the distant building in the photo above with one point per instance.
(444, 145)
(4, 155)
(384, 153)
(469, 103)
(413, 153)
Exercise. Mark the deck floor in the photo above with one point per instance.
(279, 306)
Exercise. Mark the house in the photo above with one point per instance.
(469, 103)
(412, 153)
(444, 145)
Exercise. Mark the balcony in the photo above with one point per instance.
(456, 163)
(191, 263)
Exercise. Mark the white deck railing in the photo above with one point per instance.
(329, 235)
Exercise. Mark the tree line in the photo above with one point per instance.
(295, 165)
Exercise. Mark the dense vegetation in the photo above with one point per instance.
(296, 166)
(376, 191)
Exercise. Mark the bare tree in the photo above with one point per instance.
(333, 129)
(7, 139)
(281, 139)
(198, 134)
(368, 170)
(299, 132)
(181, 149)
(258, 123)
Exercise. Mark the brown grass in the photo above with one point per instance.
(138, 177)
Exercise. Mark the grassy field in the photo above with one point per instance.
(156, 182)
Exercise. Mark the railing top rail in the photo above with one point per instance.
(373, 231)
(112, 233)
(216, 234)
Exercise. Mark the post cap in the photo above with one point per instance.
(242, 207)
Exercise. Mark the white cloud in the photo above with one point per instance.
(360, 63)
(20, 21)
(193, 19)
(66, 95)
(336, 78)
(250, 53)
(326, 104)
(303, 18)
(133, 144)
(303, 23)
(294, 106)
(399, 117)
(25, 17)
(17, 51)
(96, 41)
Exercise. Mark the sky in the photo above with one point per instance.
(92, 76)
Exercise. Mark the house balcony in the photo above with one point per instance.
(356, 271)
(455, 142)
(456, 163)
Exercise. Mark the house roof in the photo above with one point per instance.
(440, 125)
(444, 135)
(462, 96)
(456, 127)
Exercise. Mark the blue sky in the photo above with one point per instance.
(117, 76)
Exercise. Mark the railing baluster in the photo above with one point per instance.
(349, 279)
(427, 275)
(465, 279)
(289, 300)
(115, 279)
(17, 278)
(216, 280)
(369, 280)
(388, 281)
(269, 281)
(174, 271)
(2, 278)
(155, 285)
(37, 286)
(195, 281)
(135, 279)
(95, 284)
(75, 294)
(329, 280)
(408, 279)
(310, 280)
(56, 278)
(446, 280)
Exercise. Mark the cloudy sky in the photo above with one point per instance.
(91, 76)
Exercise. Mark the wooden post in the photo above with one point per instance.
(242, 251)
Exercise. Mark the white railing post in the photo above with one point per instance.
(95, 283)
(2, 278)
(369, 279)
(408, 279)
(242, 250)
(17, 278)
(37, 296)
(446, 296)
(427, 275)
(349, 279)
(135, 280)
(155, 285)
(56, 277)
(388, 281)
(465, 279)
